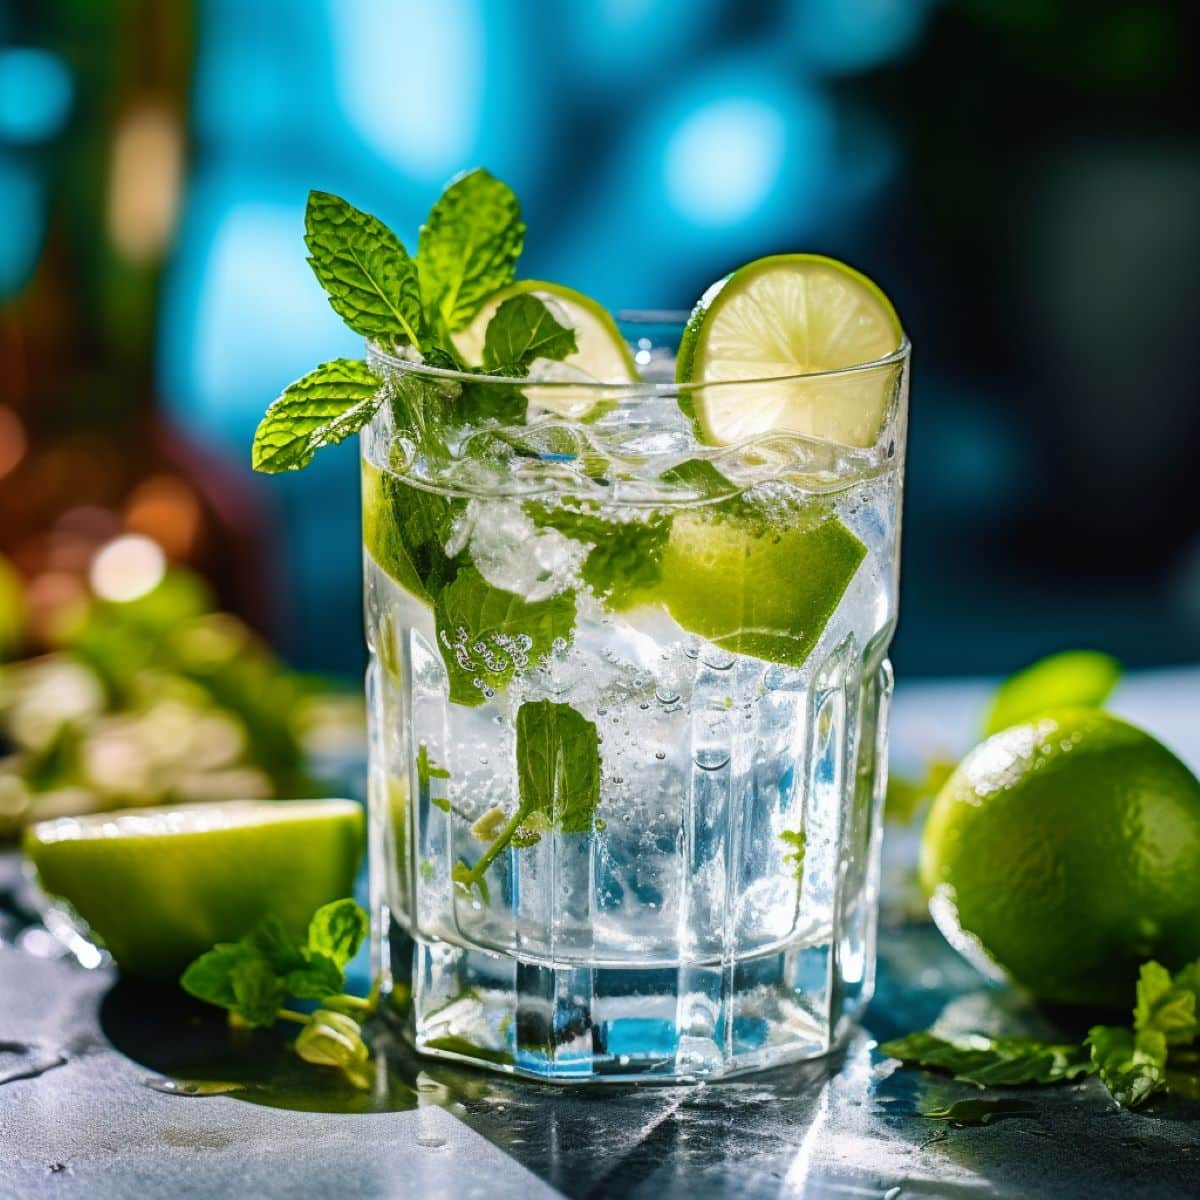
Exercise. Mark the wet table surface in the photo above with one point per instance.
(84, 1057)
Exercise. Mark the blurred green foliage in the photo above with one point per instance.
(156, 700)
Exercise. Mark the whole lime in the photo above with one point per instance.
(1065, 851)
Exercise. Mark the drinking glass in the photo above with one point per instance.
(628, 701)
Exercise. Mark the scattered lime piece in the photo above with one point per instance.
(754, 586)
(786, 316)
(1066, 851)
(1072, 679)
(162, 885)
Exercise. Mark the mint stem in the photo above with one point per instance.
(485, 860)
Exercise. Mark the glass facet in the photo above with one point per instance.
(628, 708)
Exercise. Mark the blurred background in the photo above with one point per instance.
(1021, 176)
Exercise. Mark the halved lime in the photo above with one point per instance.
(602, 354)
(752, 586)
(786, 316)
(161, 885)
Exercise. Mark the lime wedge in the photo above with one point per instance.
(785, 316)
(602, 355)
(161, 885)
(754, 587)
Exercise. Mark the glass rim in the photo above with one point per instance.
(639, 387)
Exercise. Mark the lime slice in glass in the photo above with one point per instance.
(786, 316)
(160, 886)
(755, 587)
(601, 355)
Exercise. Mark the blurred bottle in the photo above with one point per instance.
(84, 456)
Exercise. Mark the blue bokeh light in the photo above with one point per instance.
(840, 37)
(723, 161)
(22, 223)
(35, 94)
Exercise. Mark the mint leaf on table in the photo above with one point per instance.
(991, 1061)
(364, 268)
(558, 776)
(1163, 1006)
(338, 930)
(468, 247)
(329, 404)
(253, 978)
(257, 991)
(318, 977)
(487, 633)
(1132, 1066)
(1074, 678)
(210, 977)
(272, 942)
(522, 330)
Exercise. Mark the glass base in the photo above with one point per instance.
(571, 1024)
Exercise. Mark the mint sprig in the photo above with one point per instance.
(1133, 1066)
(364, 268)
(468, 247)
(253, 978)
(558, 777)
(1158, 1053)
(329, 404)
(991, 1061)
(468, 251)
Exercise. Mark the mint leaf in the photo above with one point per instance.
(991, 1061)
(1075, 678)
(329, 404)
(337, 930)
(700, 476)
(319, 977)
(1188, 978)
(488, 401)
(364, 268)
(271, 942)
(558, 765)
(1132, 1067)
(210, 977)
(521, 330)
(258, 992)
(626, 557)
(469, 246)
(1164, 1007)
(485, 633)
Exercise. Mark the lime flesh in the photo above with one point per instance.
(160, 886)
(755, 587)
(791, 318)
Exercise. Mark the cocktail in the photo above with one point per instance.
(629, 592)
